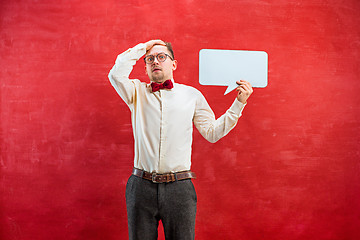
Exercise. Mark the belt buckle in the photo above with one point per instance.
(153, 177)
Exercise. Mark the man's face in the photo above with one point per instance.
(160, 71)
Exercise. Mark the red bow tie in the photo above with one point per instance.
(156, 86)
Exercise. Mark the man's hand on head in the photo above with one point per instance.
(244, 91)
(151, 43)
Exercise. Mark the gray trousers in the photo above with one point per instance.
(173, 203)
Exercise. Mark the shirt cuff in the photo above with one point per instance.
(237, 107)
(134, 53)
(138, 51)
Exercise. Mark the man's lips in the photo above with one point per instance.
(156, 69)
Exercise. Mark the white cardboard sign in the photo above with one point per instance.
(225, 67)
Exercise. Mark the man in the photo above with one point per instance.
(162, 115)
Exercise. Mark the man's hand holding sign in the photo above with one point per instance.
(244, 91)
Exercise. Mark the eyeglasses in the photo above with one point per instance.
(161, 57)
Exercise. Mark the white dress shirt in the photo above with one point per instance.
(162, 121)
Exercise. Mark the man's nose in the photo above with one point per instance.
(156, 61)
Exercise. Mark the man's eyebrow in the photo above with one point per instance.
(156, 54)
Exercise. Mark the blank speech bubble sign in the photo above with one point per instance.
(225, 67)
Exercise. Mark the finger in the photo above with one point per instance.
(159, 42)
(246, 83)
(245, 87)
(243, 82)
(248, 87)
(241, 90)
(151, 43)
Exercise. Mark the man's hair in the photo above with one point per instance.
(169, 47)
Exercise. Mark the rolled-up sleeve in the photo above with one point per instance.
(214, 129)
(119, 74)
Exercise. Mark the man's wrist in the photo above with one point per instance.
(242, 101)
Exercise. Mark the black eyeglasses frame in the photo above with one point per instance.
(162, 53)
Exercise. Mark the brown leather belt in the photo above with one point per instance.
(163, 178)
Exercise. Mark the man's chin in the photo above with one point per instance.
(158, 79)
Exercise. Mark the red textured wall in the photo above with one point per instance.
(289, 170)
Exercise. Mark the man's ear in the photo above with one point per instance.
(174, 65)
